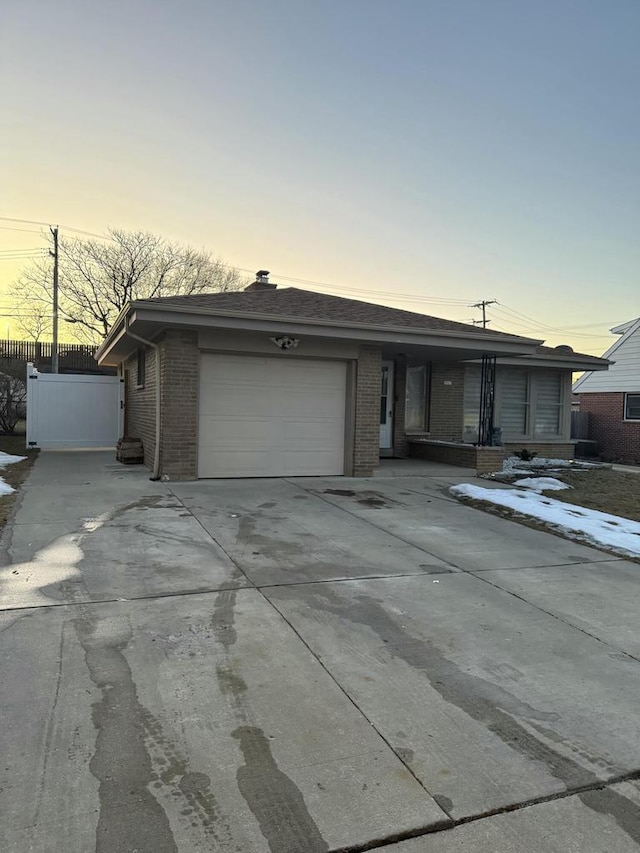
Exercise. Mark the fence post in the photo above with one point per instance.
(32, 405)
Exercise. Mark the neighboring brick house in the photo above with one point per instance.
(612, 399)
(285, 382)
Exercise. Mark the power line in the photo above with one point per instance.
(23, 230)
(24, 221)
(48, 225)
(19, 257)
(367, 292)
(12, 251)
(537, 327)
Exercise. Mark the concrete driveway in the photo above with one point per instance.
(308, 665)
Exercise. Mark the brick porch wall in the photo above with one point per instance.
(618, 440)
(550, 450)
(482, 459)
(140, 414)
(366, 446)
(179, 371)
(446, 405)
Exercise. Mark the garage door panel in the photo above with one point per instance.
(270, 416)
(298, 403)
(241, 402)
(295, 464)
(298, 434)
(239, 463)
(250, 434)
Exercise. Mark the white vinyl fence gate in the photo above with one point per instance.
(72, 410)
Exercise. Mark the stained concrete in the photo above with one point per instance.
(428, 518)
(104, 531)
(307, 665)
(188, 724)
(278, 533)
(494, 701)
(580, 824)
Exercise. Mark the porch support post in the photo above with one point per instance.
(487, 399)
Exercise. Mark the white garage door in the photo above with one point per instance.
(270, 417)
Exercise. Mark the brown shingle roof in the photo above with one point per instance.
(291, 303)
(562, 353)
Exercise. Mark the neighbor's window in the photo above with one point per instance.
(632, 407)
(141, 368)
(416, 398)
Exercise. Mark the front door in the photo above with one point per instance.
(386, 406)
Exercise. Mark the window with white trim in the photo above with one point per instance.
(530, 403)
(632, 407)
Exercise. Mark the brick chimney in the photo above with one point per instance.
(262, 282)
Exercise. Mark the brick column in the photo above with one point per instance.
(366, 450)
(179, 376)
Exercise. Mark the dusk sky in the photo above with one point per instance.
(419, 153)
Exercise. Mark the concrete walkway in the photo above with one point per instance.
(292, 666)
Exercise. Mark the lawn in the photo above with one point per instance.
(616, 492)
(14, 474)
(574, 513)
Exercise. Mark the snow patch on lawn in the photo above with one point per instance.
(542, 484)
(577, 522)
(514, 465)
(8, 459)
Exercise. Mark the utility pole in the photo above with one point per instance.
(483, 305)
(54, 254)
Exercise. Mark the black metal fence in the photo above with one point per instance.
(72, 358)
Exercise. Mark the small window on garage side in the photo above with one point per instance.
(632, 407)
(141, 368)
(416, 398)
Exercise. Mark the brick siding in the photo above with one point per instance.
(180, 370)
(482, 459)
(446, 404)
(618, 440)
(550, 450)
(366, 445)
(140, 404)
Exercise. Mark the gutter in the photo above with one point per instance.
(156, 455)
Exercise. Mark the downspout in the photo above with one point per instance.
(156, 456)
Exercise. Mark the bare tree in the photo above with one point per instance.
(99, 277)
(13, 395)
(34, 321)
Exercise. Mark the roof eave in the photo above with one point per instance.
(159, 314)
(198, 312)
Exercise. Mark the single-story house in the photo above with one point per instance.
(612, 399)
(275, 381)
